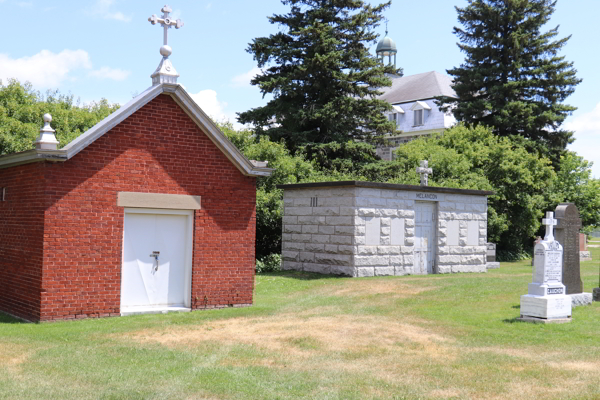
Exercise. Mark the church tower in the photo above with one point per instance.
(386, 48)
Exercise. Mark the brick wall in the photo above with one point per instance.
(158, 149)
(21, 236)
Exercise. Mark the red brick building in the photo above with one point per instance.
(151, 210)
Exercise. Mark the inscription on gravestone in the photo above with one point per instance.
(567, 234)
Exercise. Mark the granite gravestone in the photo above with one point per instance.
(567, 234)
(491, 256)
(546, 300)
(535, 242)
(584, 254)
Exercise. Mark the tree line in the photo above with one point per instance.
(325, 120)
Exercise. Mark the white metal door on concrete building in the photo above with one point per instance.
(425, 224)
(157, 260)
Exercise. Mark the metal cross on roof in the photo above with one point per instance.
(550, 222)
(166, 22)
(424, 171)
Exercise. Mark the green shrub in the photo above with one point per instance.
(270, 263)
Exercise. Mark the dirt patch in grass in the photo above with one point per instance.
(392, 288)
(446, 393)
(576, 366)
(302, 336)
(12, 356)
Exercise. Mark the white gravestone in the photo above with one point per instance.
(546, 298)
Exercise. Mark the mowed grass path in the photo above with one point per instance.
(316, 337)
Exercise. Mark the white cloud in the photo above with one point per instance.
(243, 80)
(587, 137)
(216, 109)
(175, 14)
(209, 6)
(588, 123)
(25, 4)
(103, 8)
(119, 16)
(44, 69)
(208, 102)
(115, 74)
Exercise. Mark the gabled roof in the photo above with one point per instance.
(418, 87)
(419, 105)
(181, 97)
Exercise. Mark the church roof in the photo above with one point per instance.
(418, 87)
(181, 97)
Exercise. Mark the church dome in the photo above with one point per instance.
(386, 46)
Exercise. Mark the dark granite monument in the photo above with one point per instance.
(567, 234)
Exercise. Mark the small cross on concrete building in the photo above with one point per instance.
(424, 171)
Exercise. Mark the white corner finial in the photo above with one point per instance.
(425, 172)
(165, 73)
(46, 140)
(550, 222)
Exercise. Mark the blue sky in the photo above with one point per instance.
(107, 49)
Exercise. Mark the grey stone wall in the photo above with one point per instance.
(360, 232)
(463, 249)
(318, 235)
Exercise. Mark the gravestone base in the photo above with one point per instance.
(596, 295)
(546, 307)
(492, 265)
(585, 256)
(535, 320)
(581, 299)
(545, 289)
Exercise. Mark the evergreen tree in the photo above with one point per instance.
(321, 75)
(513, 79)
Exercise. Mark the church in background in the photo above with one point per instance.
(413, 101)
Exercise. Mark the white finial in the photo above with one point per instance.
(424, 171)
(166, 22)
(165, 73)
(550, 222)
(46, 140)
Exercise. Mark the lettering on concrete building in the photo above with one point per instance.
(427, 196)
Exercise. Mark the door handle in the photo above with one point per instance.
(155, 255)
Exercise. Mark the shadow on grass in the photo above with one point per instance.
(7, 319)
(512, 320)
(304, 276)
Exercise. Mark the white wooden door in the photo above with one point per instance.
(424, 237)
(156, 272)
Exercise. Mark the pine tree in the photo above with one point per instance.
(321, 75)
(513, 79)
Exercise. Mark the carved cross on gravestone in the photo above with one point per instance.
(567, 234)
(424, 171)
(550, 223)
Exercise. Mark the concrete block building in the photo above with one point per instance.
(371, 229)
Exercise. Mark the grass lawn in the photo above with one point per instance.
(317, 337)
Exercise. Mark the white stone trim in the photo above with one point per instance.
(158, 200)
